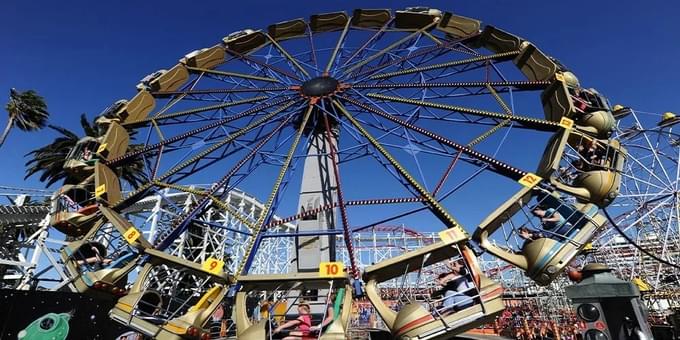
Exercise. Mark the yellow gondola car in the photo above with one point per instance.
(99, 263)
(416, 17)
(560, 99)
(327, 22)
(583, 166)
(206, 58)
(429, 320)
(73, 209)
(295, 286)
(148, 309)
(371, 18)
(89, 150)
(553, 237)
(245, 41)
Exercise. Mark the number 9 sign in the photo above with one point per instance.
(331, 269)
(213, 265)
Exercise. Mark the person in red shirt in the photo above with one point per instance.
(302, 324)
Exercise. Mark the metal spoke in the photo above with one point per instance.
(156, 119)
(150, 148)
(287, 55)
(264, 215)
(183, 221)
(265, 65)
(341, 39)
(209, 150)
(501, 167)
(497, 56)
(211, 91)
(434, 205)
(523, 85)
(538, 124)
(232, 74)
(388, 48)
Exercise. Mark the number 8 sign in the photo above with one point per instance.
(331, 269)
(131, 235)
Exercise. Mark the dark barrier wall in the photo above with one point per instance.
(34, 315)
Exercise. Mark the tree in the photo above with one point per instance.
(49, 159)
(27, 111)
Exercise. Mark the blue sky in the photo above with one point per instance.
(83, 55)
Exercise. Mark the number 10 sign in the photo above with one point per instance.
(331, 269)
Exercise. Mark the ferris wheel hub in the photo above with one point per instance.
(320, 86)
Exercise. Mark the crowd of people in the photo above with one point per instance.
(524, 321)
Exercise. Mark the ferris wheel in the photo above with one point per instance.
(336, 124)
(646, 211)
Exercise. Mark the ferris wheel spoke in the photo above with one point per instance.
(534, 123)
(498, 56)
(288, 56)
(264, 65)
(219, 91)
(437, 209)
(215, 200)
(375, 37)
(517, 85)
(287, 103)
(369, 70)
(129, 199)
(340, 196)
(500, 167)
(312, 49)
(426, 54)
(232, 74)
(433, 38)
(267, 119)
(433, 115)
(156, 120)
(349, 203)
(392, 46)
(332, 60)
(265, 214)
(183, 222)
(471, 144)
(648, 172)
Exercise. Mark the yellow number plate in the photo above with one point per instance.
(213, 266)
(331, 269)
(530, 180)
(566, 123)
(101, 148)
(131, 235)
(100, 190)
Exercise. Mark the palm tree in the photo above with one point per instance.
(27, 111)
(49, 159)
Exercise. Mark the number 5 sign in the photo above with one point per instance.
(331, 269)
(213, 266)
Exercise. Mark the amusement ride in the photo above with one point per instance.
(353, 159)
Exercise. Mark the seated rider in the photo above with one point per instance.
(302, 324)
(528, 235)
(455, 287)
(552, 221)
(87, 154)
(96, 260)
